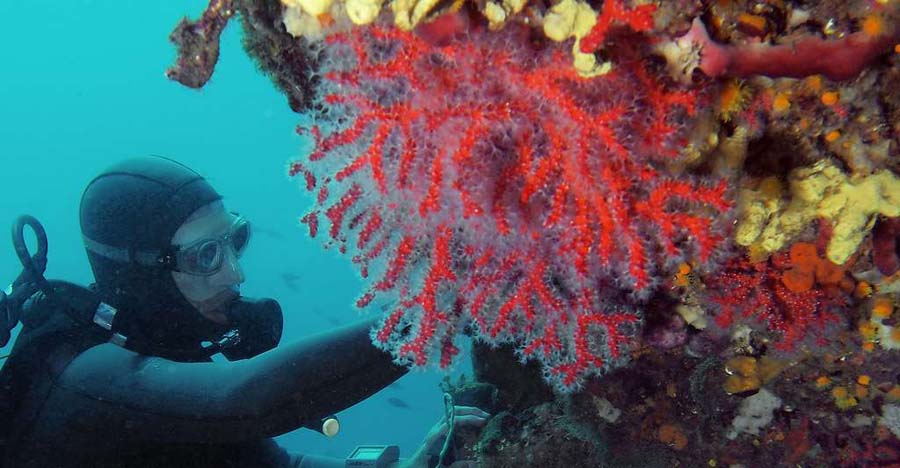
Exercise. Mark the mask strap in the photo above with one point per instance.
(124, 255)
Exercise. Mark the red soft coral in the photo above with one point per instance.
(757, 294)
(493, 188)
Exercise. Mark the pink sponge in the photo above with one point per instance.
(837, 59)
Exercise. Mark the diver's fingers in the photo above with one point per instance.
(469, 420)
(440, 430)
(462, 416)
(460, 410)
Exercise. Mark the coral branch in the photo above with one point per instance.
(761, 294)
(639, 19)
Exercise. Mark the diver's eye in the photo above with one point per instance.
(207, 256)
(240, 237)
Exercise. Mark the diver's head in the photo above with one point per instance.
(206, 249)
(162, 245)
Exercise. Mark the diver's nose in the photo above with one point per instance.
(232, 273)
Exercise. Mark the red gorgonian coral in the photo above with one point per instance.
(755, 293)
(484, 185)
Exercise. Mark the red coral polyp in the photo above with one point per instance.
(491, 188)
(756, 294)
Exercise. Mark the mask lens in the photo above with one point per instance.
(207, 257)
(240, 237)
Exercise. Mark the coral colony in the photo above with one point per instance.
(491, 186)
(700, 193)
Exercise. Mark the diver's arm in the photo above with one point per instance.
(156, 399)
(314, 461)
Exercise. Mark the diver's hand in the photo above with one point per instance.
(465, 416)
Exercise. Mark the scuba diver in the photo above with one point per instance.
(120, 374)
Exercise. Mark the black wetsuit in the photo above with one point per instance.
(69, 397)
(107, 406)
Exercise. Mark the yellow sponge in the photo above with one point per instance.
(769, 222)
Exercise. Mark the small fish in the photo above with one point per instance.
(330, 319)
(290, 280)
(398, 403)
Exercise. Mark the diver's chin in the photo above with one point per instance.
(214, 307)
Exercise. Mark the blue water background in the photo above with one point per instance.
(82, 85)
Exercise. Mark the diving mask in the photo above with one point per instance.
(204, 257)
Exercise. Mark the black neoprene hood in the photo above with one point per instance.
(129, 214)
